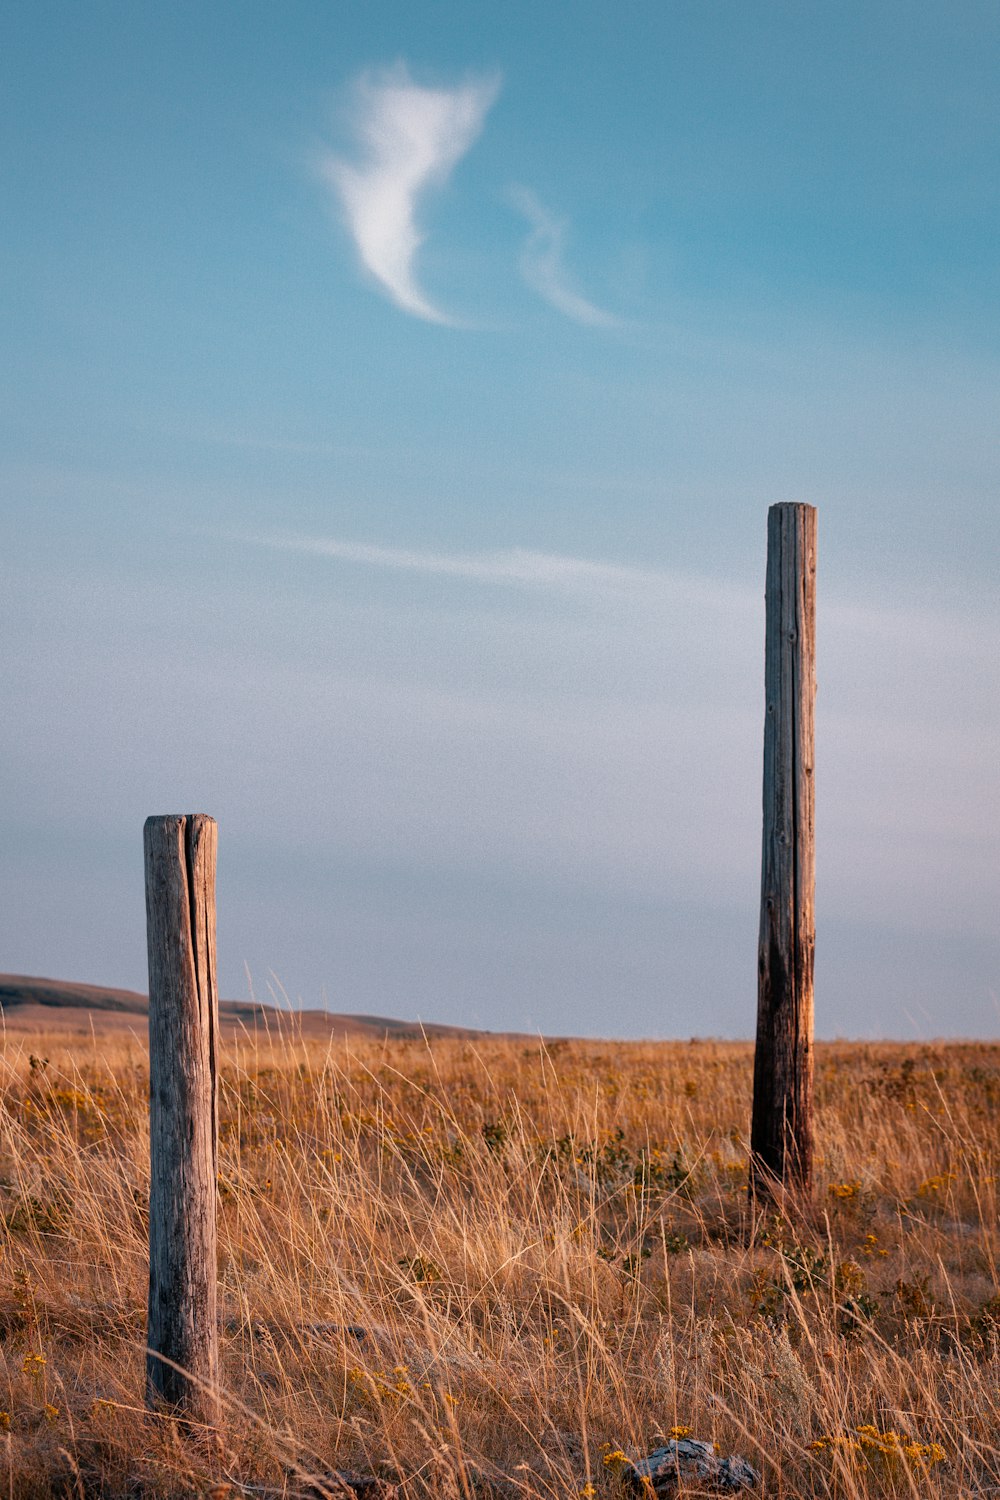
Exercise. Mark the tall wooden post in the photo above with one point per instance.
(781, 1136)
(180, 854)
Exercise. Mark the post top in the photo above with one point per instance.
(179, 818)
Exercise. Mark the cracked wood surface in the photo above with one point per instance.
(180, 857)
(781, 1137)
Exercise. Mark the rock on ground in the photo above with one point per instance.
(684, 1459)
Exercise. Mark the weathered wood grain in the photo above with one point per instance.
(781, 1137)
(180, 858)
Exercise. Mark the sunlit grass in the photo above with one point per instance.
(507, 1268)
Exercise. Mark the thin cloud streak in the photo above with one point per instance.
(516, 567)
(542, 262)
(411, 139)
(971, 631)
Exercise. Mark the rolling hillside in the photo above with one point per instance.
(34, 1004)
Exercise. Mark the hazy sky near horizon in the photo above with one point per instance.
(392, 398)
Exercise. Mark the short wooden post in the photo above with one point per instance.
(182, 1359)
(781, 1135)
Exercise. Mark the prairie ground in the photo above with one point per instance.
(498, 1267)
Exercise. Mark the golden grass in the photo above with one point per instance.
(490, 1268)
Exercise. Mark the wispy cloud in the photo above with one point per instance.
(411, 139)
(936, 633)
(517, 567)
(542, 262)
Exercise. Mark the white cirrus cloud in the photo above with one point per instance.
(518, 567)
(411, 138)
(542, 262)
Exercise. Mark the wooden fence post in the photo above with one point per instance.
(781, 1135)
(180, 854)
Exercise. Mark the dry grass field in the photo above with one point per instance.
(495, 1267)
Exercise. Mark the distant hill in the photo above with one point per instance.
(31, 1004)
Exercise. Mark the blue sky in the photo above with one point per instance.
(392, 398)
